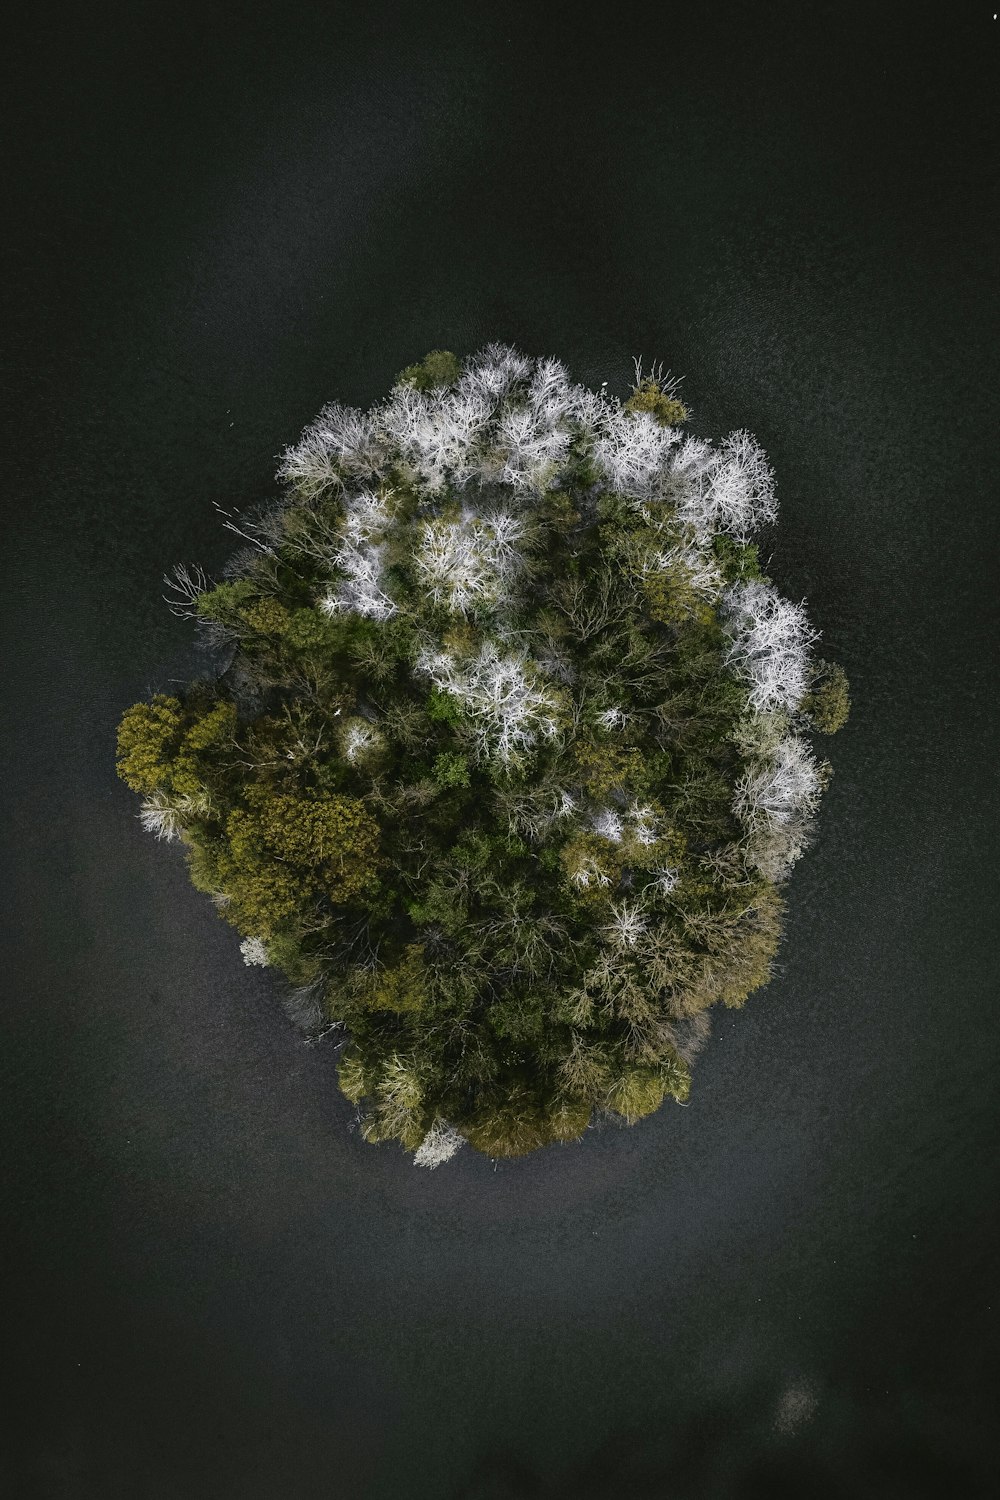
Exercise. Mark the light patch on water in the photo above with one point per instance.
(796, 1405)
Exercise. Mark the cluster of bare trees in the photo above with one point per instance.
(513, 420)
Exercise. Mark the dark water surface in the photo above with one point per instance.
(221, 220)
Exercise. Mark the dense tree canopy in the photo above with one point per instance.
(510, 758)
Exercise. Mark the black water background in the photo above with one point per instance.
(219, 220)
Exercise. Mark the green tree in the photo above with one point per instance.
(650, 396)
(148, 736)
(828, 703)
(437, 369)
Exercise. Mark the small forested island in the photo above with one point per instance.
(505, 756)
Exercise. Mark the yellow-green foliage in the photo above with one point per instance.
(283, 856)
(567, 1119)
(640, 1091)
(310, 631)
(668, 849)
(226, 601)
(739, 563)
(211, 729)
(400, 988)
(650, 396)
(351, 1076)
(147, 734)
(334, 835)
(208, 734)
(829, 703)
(451, 770)
(605, 766)
(732, 946)
(334, 838)
(397, 1104)
(637, 1093)
(439, 368)
(267, 616)
(519, 1124)
(592, 865)
(673, 597)
(273, 624)
(161, 746)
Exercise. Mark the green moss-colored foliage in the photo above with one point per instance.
(451, 770)
(829, 703)
(285, 847)
(640, 1091)
(439, 368)
(226, 602)
(147, 734)
(650, 396)
(673, 597)
(739, 564)
(403, 986)
(283, 856)
(484, 769)
(164, 746)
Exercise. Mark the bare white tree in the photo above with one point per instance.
(588, 873)
(254, 951)
(534, 438)
(361, 591)
(341, 443)
(367, 515)
(438, 1146)
(436, 432)
(165, 815)
(633, 452)
(490, 375)
(774, 791)
(472, 562)
(360, 740)
(771, 638)
(533, 811)
(608, 825)
(510, 706)
(186, 585)
(642, 825)
(360, 557)
(687, 482)
(698, 568)
(159, 815)
(532, 449)
(664, 880)
(551, 392)
(728, 489)
(741, 495)
(627, 926)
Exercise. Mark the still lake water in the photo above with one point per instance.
(789, 1286)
